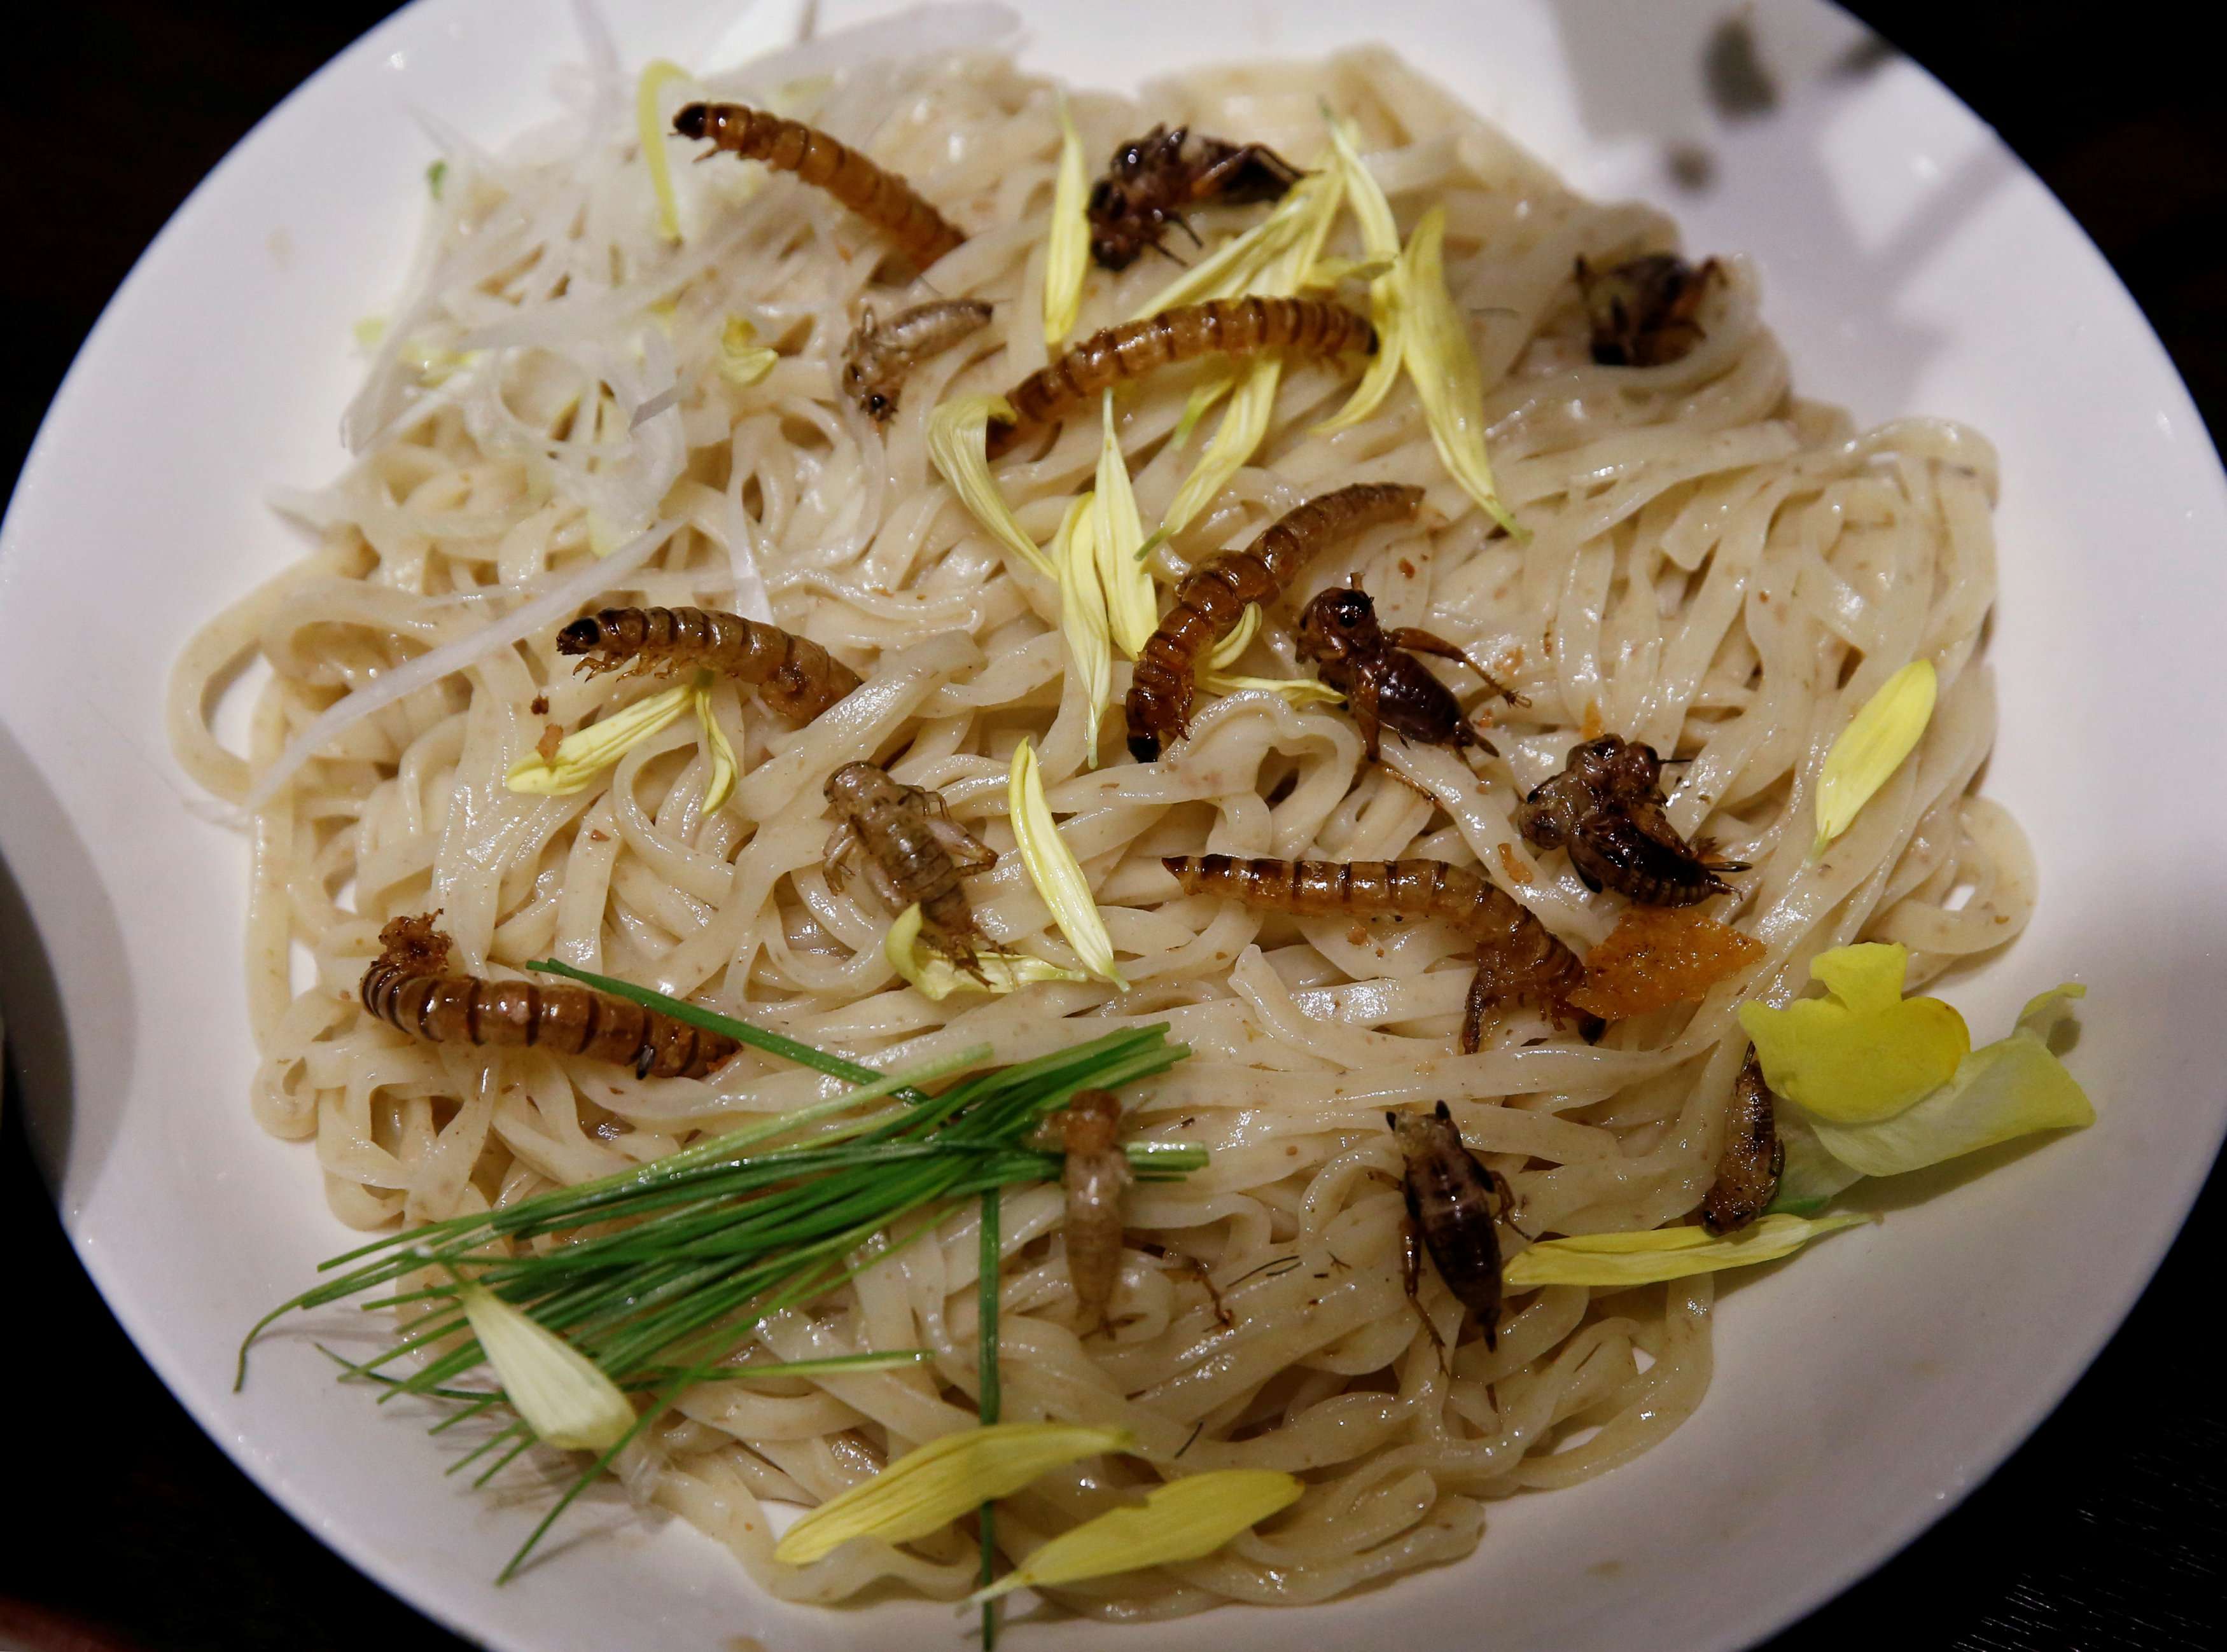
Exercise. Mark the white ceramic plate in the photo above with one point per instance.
(1911, 265)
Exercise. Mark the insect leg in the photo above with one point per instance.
(1427, 642)
(968, 852)
(842, 849)
(1364, 713)
(878, 876)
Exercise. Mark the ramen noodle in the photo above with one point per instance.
(1710, 564)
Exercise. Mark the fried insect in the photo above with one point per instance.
(1518, 958)
(881, 353)
(1453, 1204)
(914, 852)
(795, 676)
(1095, 1173)
(1150, 180)
(1213, 596)
(1383, 682)
(1753, 1158)
(1607, 808)
(1221, 326)
(407, 984)
(882, 198)
(1644, 311)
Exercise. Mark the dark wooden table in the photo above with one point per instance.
(2105, 1531)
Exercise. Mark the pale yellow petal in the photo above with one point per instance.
(1183, 1520)
(957, 441)
(583, 756)
(1436, 349)
(937, 977)
(1615, 1261)
(1872, 746)
(1053, 869)
(1117, 535)
(649, 126)
(1067, 249)
(1083, 618)
(557, 1391)
(936, 1483)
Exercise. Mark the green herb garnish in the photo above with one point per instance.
(658, 1273)
(989, 1268)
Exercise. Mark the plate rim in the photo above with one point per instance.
(299, 1496)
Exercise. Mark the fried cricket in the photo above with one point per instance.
(1382, 681)
(1150, 181)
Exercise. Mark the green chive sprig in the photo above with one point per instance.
(659, 1273)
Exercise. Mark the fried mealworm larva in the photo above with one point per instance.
(881, 353)
(1221, 326)
(1096, 1172)
(793, 675)
(914, 852)
(1753, 1157)
(1607, 808)
(1452, 1206)
(882, 198)
(1518, 958)
(1213, 596)
(407, 985)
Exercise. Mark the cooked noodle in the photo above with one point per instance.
(1715, 567)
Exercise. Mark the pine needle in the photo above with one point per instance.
(660, 1272)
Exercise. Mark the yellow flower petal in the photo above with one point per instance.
(1053, 869)
(2011, 1087)
(557, 1391)
(1873, 746)
(1228, 652)
(1181, 1520)
(1200, 403)
(715, 741)
(937, 1482)
(743, 360)
(1388, 302)
(1300, 691)
(1133, 611)
(1276, 267)
(956, 441)
(1436, 349)
(1244, 426)
(1328, 274)
(1301, 220)
(1082, 619)
(936, 978)
(1863, 1052)
(1066, 248)
(1616, 1260)
(581, 757)
(649, 125)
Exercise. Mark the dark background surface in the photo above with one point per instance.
(2107, 1530)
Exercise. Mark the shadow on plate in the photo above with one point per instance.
(1746, 106)
(48, 1070)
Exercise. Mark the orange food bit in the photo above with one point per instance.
(1658, 956)
(1593, 728)
(1518, 872)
